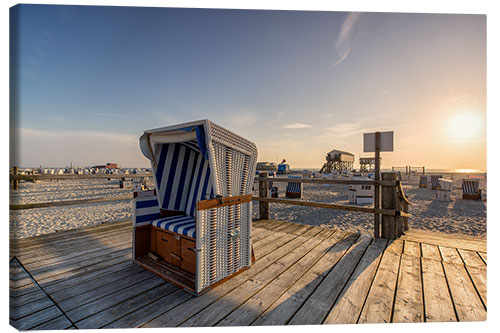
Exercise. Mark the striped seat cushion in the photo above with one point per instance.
(183, 225)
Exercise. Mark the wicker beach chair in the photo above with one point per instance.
(423, 182)
(435, 182)
(470, 189)
(194, 229)
(294, 190)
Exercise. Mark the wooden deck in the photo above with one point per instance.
(303, 275)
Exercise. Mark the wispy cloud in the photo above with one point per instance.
(72, 135)
(297, 125)
(385, 92)
(346, 36)
(109, 115)
(240, 119)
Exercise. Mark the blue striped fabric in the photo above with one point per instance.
(184, 225)
(182, 176)
(470, 187)
(146, 210)
(294, 187)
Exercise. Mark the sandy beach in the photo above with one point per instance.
(465, 217)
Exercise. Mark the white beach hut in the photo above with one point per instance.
(194, 230)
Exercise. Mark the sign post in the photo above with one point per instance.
(376, 197)
(377, 142)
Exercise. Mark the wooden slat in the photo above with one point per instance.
(431, 252)
(408, 304)
(471, 258)
(478, 276)
(350, 302)
(450, 255)
(378, 305)
(249, 311)
(465, 298)
(483, 256)
(178, 315)
(317, 306)
(411, 248)
(437, 299)
(350, 208)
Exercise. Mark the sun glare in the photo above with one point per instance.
(465, 125)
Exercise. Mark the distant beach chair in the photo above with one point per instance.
(294, 190)
(435, 182)
(470, 189)
(193, 230)
(273, 190)
(444, 191)
(423, 182)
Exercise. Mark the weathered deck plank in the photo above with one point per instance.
(378, 305)
(350, 303)
(303, 275)
(465, 298)
(437, 299)
(408, 304)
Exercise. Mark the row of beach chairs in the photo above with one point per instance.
(293, 190)
(470, 187)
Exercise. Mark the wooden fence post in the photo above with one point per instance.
(14, 181)
(263, 193)
(389, 198)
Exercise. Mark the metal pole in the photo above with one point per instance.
(376, 197)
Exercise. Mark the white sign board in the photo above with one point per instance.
(386, 142)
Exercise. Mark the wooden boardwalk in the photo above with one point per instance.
(303, 275)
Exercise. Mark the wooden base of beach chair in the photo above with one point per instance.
(294, 195)
(471, 197)
(435, 187)
(177, 277)
(422, 186)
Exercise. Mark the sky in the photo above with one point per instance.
(87, 81)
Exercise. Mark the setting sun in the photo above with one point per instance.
(466, 125)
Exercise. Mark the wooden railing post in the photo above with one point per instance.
(389, 198)
(14, 181)
(263, 193)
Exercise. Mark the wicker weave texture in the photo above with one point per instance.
(223, 238)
